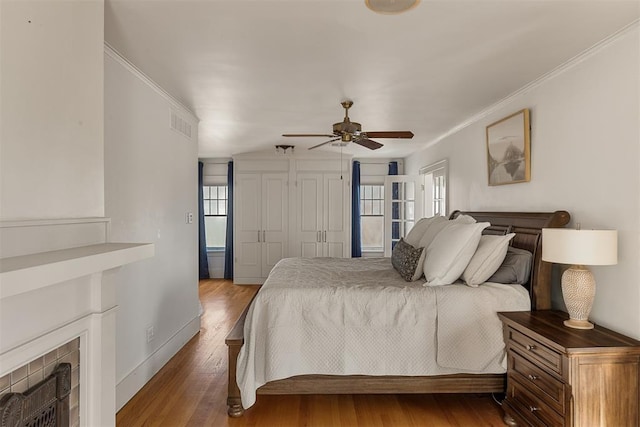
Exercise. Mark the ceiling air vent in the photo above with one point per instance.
(180, 124)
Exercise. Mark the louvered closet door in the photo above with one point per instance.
(335, 216)
(309, 193)
(275, 219)
(248, 229)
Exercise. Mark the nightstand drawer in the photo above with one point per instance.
(535, 351)
(538, 381)
(530, 407)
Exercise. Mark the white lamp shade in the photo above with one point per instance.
(580, 247)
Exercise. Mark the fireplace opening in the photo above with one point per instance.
(46, 404)
(44, 392)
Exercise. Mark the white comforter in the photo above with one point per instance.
(340, 316)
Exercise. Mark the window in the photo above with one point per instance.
(372, 217)
(215, 215)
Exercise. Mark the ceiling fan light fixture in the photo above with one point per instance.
(282, 148)
(391, 7)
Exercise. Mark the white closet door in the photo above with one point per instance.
(275, 219)
(334, 233)
(404, 206)
(247, 224)
(309, 215)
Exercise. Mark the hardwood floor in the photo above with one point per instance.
(191, 389)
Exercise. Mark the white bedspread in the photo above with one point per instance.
(340, 316)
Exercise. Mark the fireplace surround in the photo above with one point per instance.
(61, 289)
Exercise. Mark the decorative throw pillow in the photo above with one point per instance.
(419, 267)
(405, 259)
(415, 234)
(515, 269)
(487, 259)
(450, 252)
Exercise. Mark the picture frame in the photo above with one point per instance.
(509, 149)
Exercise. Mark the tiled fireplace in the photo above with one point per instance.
(30, 375)
(57, 305)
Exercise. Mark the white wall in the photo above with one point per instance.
(151, 181)
(51, 109)
(585, 143)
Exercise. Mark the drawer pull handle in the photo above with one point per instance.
(531, 347)
(532, 377)
(534, 408)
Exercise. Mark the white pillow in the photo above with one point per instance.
(489, 255)
(450, 252)
(466, 219)
(415, 234)
(436, 225)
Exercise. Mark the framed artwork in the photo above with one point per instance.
(509, 149)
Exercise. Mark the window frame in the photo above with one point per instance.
(381, 203)
(217, 199)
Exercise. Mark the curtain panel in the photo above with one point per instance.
(228, 247)
(203, 260)
(356, 238)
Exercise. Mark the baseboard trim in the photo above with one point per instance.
(216, 273)
(249, 281)
(140, 375)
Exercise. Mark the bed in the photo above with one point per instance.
(491, 378)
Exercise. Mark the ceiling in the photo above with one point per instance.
(253, 70)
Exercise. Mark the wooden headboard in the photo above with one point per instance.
(528, 228)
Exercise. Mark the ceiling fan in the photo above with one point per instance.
(347, 131)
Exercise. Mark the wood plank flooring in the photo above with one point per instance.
(191, 389)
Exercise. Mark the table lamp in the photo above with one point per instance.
(579, 248)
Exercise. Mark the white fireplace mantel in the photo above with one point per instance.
(28, 273)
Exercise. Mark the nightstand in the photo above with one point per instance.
(558, 376)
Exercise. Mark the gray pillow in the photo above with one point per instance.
(515, 269)
(405, 259)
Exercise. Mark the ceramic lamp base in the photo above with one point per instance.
(578, 324)
(578, 291)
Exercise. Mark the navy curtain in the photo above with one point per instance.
(356, 240)
(228, 247)
(395, 206)
(393, 168)
(202, 236)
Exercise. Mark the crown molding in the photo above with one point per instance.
(109, 50)
(579, 58)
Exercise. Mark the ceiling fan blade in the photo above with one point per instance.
(366, 142)
(326, 142)
(302, 135)
(391, 134)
